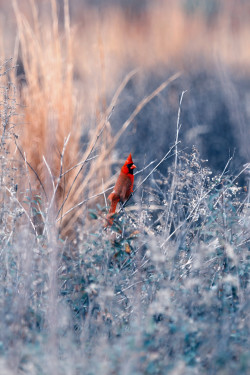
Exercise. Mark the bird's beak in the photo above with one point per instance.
(133, 166)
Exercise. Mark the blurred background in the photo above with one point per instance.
(72, 57)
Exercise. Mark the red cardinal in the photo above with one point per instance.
(123, 187)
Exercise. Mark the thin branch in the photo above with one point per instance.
(33, 170)
(224, 170)
(173, 183)
(82, 202)
(66, 140)
(105, 200)
(144, 168)
(26, 213)
(62, 154)
(27, 173)
(78, 164)
(50, 173)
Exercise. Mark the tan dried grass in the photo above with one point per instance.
(51, 105)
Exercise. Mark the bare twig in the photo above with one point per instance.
(173, 183)
(26, 213)
(27, 173)
(66, 140)
(50, 173)
(82, 202)
(78, 164)
(105, 200)
(144, 168)
(33, 170)
(224, 170)
(61, 167)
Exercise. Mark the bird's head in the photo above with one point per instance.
(128, 167)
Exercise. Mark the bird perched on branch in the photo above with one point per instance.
(123, 187)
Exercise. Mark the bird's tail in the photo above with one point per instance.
(114, 201)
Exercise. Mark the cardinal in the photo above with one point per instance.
(123, 187)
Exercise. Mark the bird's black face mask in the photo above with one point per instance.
(131, 168)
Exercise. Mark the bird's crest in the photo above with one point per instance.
(129, 160)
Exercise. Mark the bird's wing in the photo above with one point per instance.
(114, 198)
(126, 188)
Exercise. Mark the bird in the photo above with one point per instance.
(123, 187)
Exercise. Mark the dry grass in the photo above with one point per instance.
(49, 99)
(50, 136)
